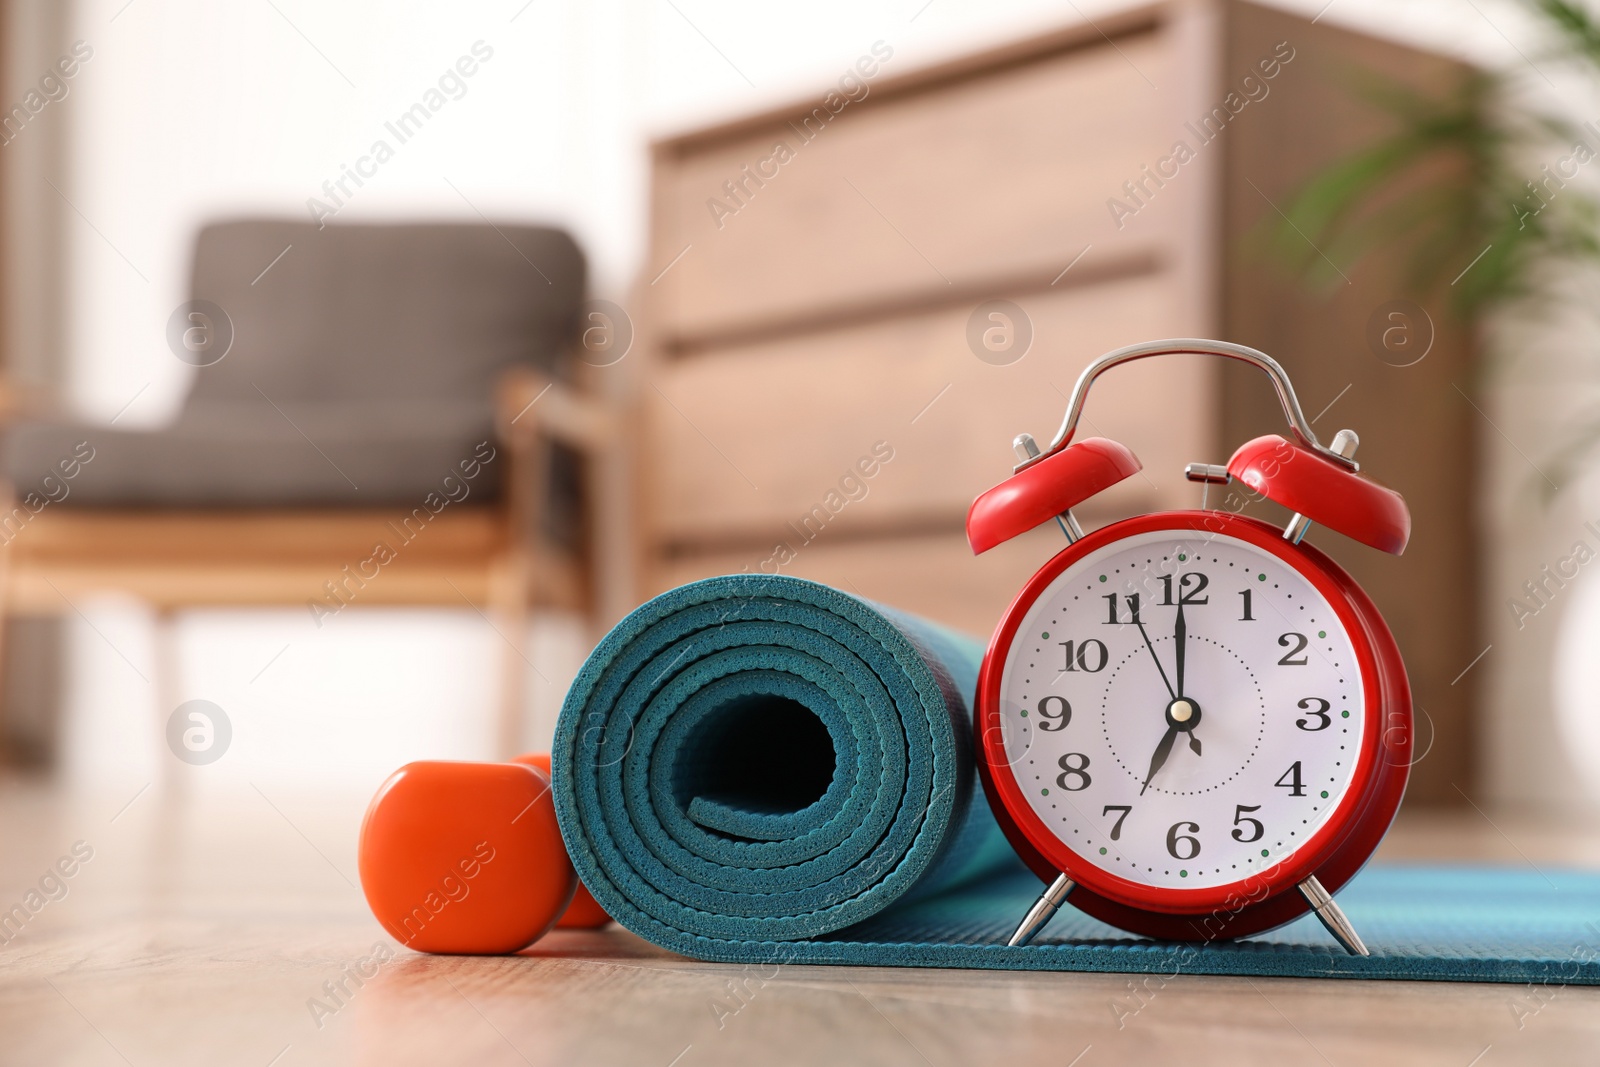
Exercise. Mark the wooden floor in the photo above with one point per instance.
(203, 925)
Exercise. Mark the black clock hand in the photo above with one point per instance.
(1163, 750)
(1155, 657)
(1180, 639)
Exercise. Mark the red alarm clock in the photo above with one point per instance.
(1193, 724)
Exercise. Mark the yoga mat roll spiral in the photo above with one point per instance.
(757, 759)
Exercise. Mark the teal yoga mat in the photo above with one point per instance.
(757, 768)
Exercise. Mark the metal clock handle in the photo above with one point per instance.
(1028, 451)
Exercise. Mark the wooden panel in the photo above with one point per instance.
(1005, 176)
(55, 589)
(183, 559)
(936, 577)
(114, 535)
(746, 441)
(1417, 431)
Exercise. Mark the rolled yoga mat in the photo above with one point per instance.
(757, 768)
(750, 760)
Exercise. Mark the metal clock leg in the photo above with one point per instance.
(1043, 910)
(1332, 917)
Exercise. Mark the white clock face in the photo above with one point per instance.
(1182, 709)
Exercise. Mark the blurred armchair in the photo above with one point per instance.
(384, 415)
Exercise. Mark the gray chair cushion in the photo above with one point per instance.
(361, 372)
(229, 455)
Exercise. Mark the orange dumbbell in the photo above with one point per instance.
(467, 858)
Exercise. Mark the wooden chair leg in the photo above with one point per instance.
(168, 829)
(164, 691)
(6, 754)
(509, 611)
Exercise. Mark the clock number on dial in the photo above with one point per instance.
(1116, 827)
(1294, 785)
(1080, 773)
(1133, 608)
(1192, 848)
(1091, 656)
(1185, 594)
(1246, 617)
(1299, 642)
(1240, 817)
(1319, 713)
(1052, 723)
